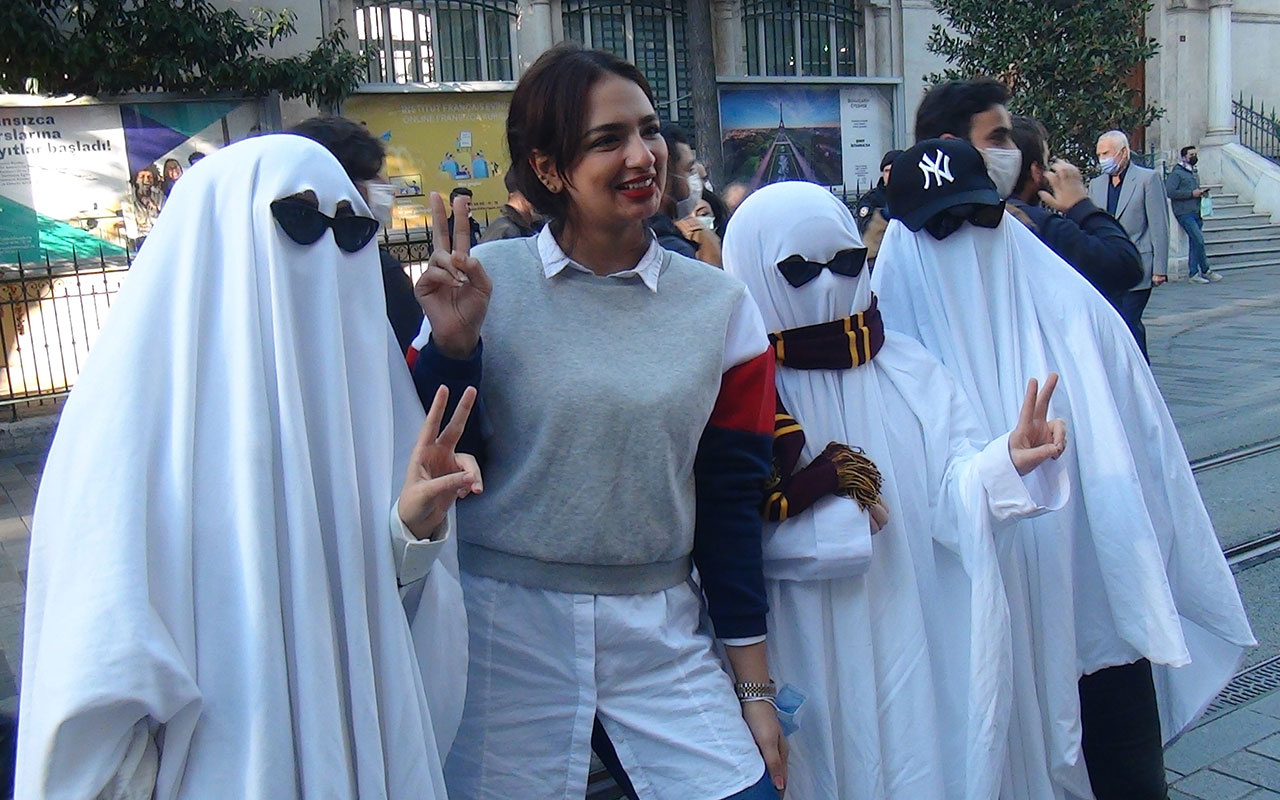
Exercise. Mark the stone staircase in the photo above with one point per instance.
(1235, 237)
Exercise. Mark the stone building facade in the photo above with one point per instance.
(1211, 51)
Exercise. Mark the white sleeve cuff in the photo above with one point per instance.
(744, 641)
(414, 556)
(1011, 496)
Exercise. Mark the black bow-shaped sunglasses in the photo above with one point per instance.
(799, 271)
(947, 222)
(305, 224)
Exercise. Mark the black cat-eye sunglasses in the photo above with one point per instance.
(305, 224)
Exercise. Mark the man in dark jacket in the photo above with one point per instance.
(676, 230)
(679, 165)
(871, 213)
(516, 219)
(474, 227)
(1083, 235)
(1183, 187)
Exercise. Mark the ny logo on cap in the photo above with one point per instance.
(939, 168)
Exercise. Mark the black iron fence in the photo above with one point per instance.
(1257, 127)
(410, 246)
(50, 315)
(51, 312)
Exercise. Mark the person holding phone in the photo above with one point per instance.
(1182, 184)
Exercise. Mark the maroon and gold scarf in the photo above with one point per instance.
(840, 344)
(840, 470)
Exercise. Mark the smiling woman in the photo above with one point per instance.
(593, 161)
(626, 406)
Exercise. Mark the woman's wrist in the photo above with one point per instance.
(750, 664)
(458, 347)
(756, 691)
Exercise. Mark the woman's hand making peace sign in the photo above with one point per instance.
(454, 290)
(437, 474)
(1037, 438)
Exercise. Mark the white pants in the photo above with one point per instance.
(544, 664)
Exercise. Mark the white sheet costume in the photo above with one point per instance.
(900, 641)
(1131, 567)
(212, 608)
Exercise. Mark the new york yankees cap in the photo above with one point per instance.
(937, 175)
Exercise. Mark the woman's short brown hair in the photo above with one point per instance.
(549, 115)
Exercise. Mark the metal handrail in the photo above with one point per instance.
(1257, 128)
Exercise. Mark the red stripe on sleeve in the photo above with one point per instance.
(747, 396)
(411, 356)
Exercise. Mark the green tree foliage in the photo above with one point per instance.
(1067, 62)
(107, 47)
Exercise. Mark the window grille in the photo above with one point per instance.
(650, 34)
(428, 41)
(801, 37)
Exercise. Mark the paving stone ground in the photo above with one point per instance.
(1215, 352)
(1234, 757)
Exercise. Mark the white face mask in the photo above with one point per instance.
(695, 185)
(380, 197)
(708, 222)
(1003, 167)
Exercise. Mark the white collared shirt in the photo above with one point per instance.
(555, 261)
(413, 556)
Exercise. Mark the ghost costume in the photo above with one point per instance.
(900, 641)
(1131, 567)
(213, 608)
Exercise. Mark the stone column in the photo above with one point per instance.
(1221, 127)
(726, 35)
(882, 38)
(533, 32)
(1221, 87)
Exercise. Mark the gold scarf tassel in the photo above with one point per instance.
(857, 475)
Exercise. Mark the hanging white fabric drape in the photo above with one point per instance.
(900, 640)
(1131, 567)
(210, 560)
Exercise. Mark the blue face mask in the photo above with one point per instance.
(789, 701)
(1109, 165)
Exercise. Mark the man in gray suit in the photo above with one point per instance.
(1135, 196)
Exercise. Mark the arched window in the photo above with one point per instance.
(427, 41)
(801, 37)
(648, 33)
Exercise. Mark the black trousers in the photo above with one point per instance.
(1132, 305)
(1121, 734)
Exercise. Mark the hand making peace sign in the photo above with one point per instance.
(454, 290)
(1037, 438)
(437, 475)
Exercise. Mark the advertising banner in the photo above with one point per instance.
(438, 141)
(831, 134)
(866, 133)
(77, 181)
(62, 170)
